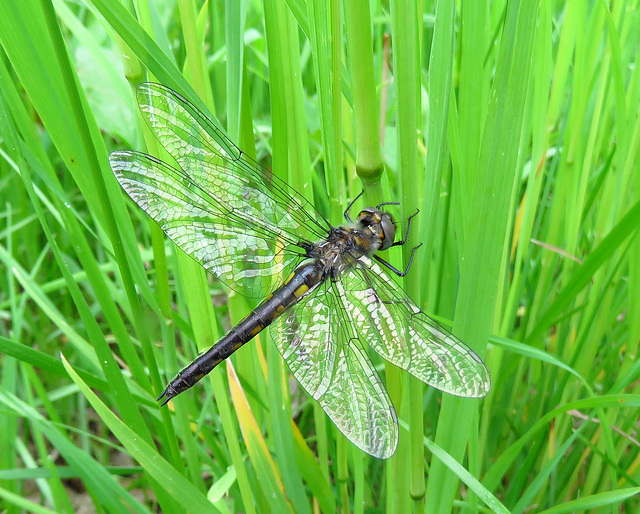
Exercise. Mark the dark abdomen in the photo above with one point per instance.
(304, 279)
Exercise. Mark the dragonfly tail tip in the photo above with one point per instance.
(166, 397)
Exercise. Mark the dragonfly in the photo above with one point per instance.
(250, 229)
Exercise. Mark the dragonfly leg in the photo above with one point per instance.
(386, 203)
(406, 233)
(393, 268)
(346, 212)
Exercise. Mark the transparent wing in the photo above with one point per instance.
(387, 319)
(242, 252)
(317, 341)
(220, 167)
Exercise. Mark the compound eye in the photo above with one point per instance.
(388, 228)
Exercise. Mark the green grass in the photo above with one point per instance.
(515, 128)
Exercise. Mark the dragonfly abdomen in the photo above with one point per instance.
(306, 277)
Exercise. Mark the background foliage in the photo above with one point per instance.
(513, 126)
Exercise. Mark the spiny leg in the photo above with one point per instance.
(400, 243)
(386, 203)
(393, 268)
(406, 232)
(346, 212)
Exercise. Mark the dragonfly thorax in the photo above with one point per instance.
(373, 230)
(342, 247)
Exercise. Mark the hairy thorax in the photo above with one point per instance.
(343, 246)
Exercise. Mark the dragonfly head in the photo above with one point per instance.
(380, 224)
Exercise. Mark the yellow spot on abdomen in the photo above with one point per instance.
(256, 330)
(300, 291)
(290, 277)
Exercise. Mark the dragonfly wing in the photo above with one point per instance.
(317, 341)
(245, 255)
(388, 320)
(210, 158)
